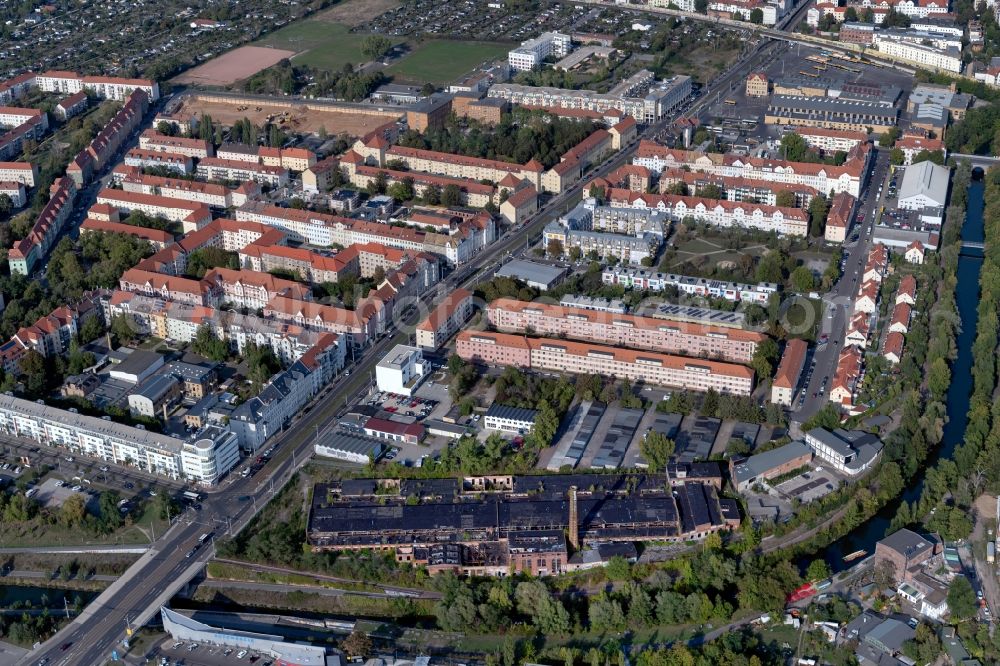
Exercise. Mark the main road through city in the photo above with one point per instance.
(91, 638)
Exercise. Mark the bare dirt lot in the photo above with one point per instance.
(233, 66)
(299, 119)
(355, 12)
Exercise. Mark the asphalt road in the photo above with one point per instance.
(839, 302)
(92, 638)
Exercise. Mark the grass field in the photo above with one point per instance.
(317, 43)
(444, 61)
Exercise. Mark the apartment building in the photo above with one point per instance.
(16, 87)
(583, 358)
(71, 106)
(733, 188)
(139, 159)
(15, 191)
(918, 9)
(357, 326)
(171, 320)
(19, 172)
(650, 280)
(106, 87)
(647, 333)
(717, 212)
(178, 145)
(34, 247)
(250, 289)
(445, 319)
(831, 140)
(203, 460)
(209, 194)
(947, 59)
(471, 235)
(193, 215)
(786, 378)
(839, 217)
(472, 193)
(314, 267)
(215, 168)
(744, 9)
(320, 176)
(291, 159)
(657, 101)
(758, 85)
(831, 113)
(821, 177)
(912, 145)
(158, 239)
(286, 393)
(21, 125)
(530, 54)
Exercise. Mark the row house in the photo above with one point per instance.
(357, 326)
(250, 289)
(501, 349)
(859, 330)
(717, 212)
(847, 377)
(698, 340)
(650, 280)
(34, 247)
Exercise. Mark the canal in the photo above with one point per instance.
(957, 401)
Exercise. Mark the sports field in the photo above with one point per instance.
(442, 61)
(318, 43)
(233, 66)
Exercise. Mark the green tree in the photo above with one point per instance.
(451, 195)
(207, 343)
(896, 156)
(961, 599)
(73, 511)
(851, 15)
(554, 248)
(785, 198)
(374, 47)
(710, 403)
(6, 205)
(794, 147)
(764, 357)
(757, 16)
(818, 570)
(710, 191)
(357, 644)
(818, 209)
(770, 268)
(802, 279)
(938, 377)
(888, 138)
(656, 448)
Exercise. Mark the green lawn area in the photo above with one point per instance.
(325, 45)
(442, 61)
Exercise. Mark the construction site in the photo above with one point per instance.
(501, 524)
(296, 116)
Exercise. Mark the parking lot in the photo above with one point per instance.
(192, 654)
(811, 485)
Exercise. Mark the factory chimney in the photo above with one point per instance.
(574, 527)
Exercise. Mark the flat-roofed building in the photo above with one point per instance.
(510, 419)
(831, 113)
(850, 452)
(401, 370)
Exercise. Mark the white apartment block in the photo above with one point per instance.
(401, 370)
(658, 100)
(830, 140)
(203, 460)
(949, 60)
(214, 168)
(18, 172)
(107, 87)
(530, 54)
(637, 278)
(150, 158)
